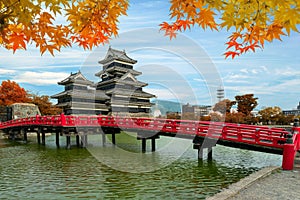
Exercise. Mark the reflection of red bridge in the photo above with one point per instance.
(204, 134)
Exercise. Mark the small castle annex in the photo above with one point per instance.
(118, 92)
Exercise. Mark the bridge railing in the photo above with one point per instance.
(256, 135)
(262, 135)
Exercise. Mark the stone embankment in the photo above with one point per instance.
(270, 183)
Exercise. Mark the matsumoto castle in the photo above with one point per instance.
(118, 92)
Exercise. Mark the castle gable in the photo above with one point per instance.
(113, 54)
(76, 78)
(128, 77)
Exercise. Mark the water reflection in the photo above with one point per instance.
(30, 171)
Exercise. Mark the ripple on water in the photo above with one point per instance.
(34, 172)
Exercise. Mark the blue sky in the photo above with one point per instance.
(187, 69)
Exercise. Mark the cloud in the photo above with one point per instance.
(7, 72)
(236, 78)
(40, 78)
(286, 71)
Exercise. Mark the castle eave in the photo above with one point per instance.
(113, 54)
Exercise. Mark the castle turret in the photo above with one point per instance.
(81, 97)
(119, 82)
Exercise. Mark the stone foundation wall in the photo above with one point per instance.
(23, 110)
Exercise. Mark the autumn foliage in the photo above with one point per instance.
(246, 103)
(44, 104)
(252, 22)
(89, 23)
(11, 92)
(224, 106)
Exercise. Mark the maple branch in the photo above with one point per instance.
(11, 5)
(257, 11)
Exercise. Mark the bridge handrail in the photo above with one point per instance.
(258, 135)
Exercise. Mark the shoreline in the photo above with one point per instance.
(235, 188)
(268, 183)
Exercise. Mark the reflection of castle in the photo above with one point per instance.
(292, 112)
(118, 91)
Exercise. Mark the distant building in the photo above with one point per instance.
(295, 112)
(220, 94)
(118, 91)
(201, 110)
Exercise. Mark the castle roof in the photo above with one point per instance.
(76, 78)
(113, 54)
(86, 94)
(118, 69)
(125, 92)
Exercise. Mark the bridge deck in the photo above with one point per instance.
(225, 133)
(204, 134)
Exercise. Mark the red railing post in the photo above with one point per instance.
(290, 147)
(37, 119)
(296, 132)
(288, 154)
(63, 119)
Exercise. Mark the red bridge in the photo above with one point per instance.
(204, 134)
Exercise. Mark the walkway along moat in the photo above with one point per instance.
(204, 134)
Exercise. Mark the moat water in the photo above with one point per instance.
(32, 171)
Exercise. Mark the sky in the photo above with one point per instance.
(188, 69)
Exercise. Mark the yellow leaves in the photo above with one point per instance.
(274, 31)
(90, 23)
(253, 21)
(206, 19)
(93, 22)
(188, 13)
(289, 16)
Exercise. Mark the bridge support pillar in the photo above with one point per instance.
(144, 145)
(68, 141)
(144, 136)
(200, 153)
(84, 141)
(204, 143)
(77, 140)
(43, 139)
(153, 145)
(57, 138)
(209, 153)
(103, 138)
(24, 131)
(112, 131)
(113, 138)
(38, 135)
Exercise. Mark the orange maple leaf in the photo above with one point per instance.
(17, 41)
(231, 53)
